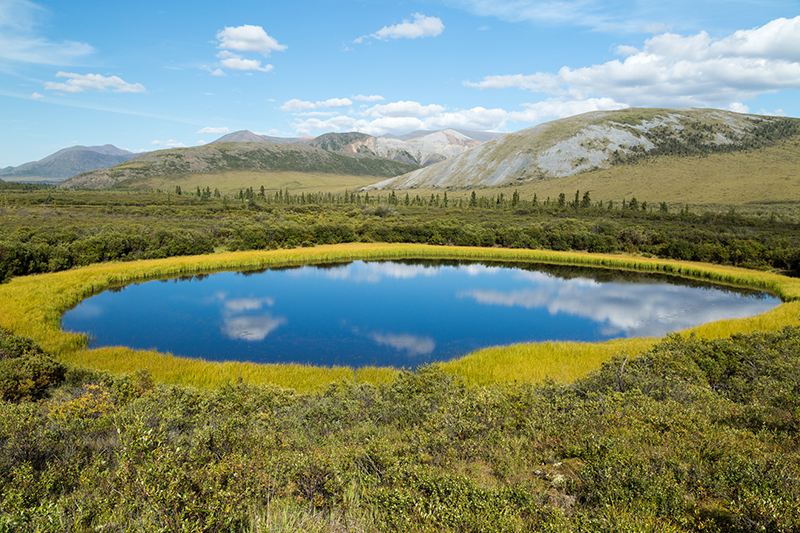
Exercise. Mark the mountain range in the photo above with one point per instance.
(67, 163)
(420, 147)
(256, 160)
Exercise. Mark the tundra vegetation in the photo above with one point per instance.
(688, 433)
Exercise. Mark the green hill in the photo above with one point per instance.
(219, 159)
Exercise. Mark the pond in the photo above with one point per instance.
(399, 314)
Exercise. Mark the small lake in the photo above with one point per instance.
(399, 314)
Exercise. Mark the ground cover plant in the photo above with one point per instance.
(690, 435)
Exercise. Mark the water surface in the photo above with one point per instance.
(399, 314)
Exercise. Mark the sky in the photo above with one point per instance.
(151, 75)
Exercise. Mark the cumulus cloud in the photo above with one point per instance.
(403, 109)
(172, 143)
(676, 70)
(335, 102)
(237, 62)
(248, 38)
(209, 129)
(421, 26)
(372, 98)
(36, 96)
(244, 39)
(21, 41)
(300, 106)
(78, 83)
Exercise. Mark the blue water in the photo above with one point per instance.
(395, 314)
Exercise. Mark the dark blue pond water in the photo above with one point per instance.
(396, 314)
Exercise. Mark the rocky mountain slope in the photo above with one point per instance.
(220, 158)
(67, 163)
(596, 141)
(418, 148)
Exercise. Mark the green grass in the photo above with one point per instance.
(33, 305)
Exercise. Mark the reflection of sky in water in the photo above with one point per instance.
(396, 314)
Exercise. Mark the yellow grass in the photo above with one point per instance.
(33, 306)
(770, 175)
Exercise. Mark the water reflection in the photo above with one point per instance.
(397, 313)
(625, 309)
(237, 324)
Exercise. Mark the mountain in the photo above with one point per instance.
(598, 141)
(242, 157)
(68, 162)
(245, 136)
(419, 148)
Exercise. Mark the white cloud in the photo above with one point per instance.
(294, 105)
(403, 109)
(335, 102)
(209, 129)
(738, 107)
(554, 108)
(402, 117)
(372, 98)
(674, 70)
(20, 40)
(218, 72)
(37, 96)
(172, 143)
(237, 62)
(476, 118)
(78, 83)
(300, 106)
(248, 38)
(422, 26)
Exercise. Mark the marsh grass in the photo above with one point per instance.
(33, 306)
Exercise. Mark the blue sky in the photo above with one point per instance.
(151, 75)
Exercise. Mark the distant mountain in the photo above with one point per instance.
(596, 141)
(245, 136)
(419, 148)
(67, 163)
(223, 158)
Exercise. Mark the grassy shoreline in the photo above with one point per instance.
(33, 305)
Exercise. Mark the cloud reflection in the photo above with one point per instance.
(370, 272)
(237, 324)
(252, 328)
(623, 307)
(413, 345)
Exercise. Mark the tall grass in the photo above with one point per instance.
(33, 306)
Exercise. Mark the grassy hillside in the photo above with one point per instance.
(760, 176)
(222, 158)
(612, 141)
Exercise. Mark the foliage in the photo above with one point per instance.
(26, 372)
(690, 435)
(38, 235)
